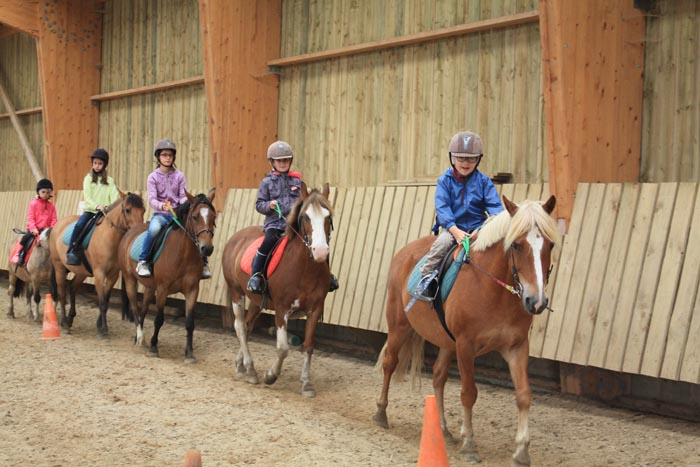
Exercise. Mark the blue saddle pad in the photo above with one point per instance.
(448, 279)
(136, 247)
(68, 233)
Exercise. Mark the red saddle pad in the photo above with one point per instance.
(14, 254)
(249, 254)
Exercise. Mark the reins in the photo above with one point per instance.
(193, 237)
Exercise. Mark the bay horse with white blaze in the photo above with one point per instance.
(297, 288)
(178, 268)
(101, 254)
(482, 315)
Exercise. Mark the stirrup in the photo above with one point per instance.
(142, 269)
(72, 258)
(256, 284)
(427, 289)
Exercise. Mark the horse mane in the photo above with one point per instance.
(316, 199)
(131, 198)
(529, 215)
(183, 210)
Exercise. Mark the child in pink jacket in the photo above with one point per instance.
(41, 215)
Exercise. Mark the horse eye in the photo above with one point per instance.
(517, 247)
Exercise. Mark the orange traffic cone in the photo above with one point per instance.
(433, 451)
(50, 326)
(193, 458)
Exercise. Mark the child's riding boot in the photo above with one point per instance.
(20, 257)
(426, 289)
(72, 256)
(334, 283)
(256, 283)
(206, 272)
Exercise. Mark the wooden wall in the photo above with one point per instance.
(388, 116)
(19, 74)
(147, 43)
(670, 138)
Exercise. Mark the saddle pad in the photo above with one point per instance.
(273, 262)
(68, 233)
(447, 279)
(136, 247)
(14, 254)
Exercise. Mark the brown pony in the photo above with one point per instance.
(298, 286)
(178, 269)
(101, 253)
(36, 272)
(482, 315)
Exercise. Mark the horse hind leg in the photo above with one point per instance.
(465, 361)
(245, 367)
(37, 300)
(440, 373)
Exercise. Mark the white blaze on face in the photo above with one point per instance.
(536, 241)
(319, 245)
(204, 212)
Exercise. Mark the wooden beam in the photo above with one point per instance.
(32, 111)
(239, 37)
(24, 142)
(147, 89)
(592, 59)
(22, 15)
(411, 39)
(69, 54)
(6, 31)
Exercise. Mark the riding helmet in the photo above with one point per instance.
(44, 184)
(279, 150)
(165, 144)
(101, 154)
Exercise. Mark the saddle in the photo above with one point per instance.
(17, 249)
(273, 259)
(156, 246)
(83, 238)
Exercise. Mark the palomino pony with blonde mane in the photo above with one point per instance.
(481, 314)
(298, 287)
(101, 254)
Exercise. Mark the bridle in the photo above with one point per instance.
(189, 230)
(122, 215)
(300, 230)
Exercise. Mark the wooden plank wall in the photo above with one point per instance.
(671, 118)
(626, 296)
(19, 74)
(385, 116)
(147, 43)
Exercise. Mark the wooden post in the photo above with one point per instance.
(28, 153)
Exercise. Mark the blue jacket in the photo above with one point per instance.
(463, 203)
(283, 187)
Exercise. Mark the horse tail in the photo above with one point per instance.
(52, 282)
(19, 287)
(410, 360)
(126, 308)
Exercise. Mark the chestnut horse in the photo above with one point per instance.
(101, 253)
(178, 269)
(298, 286)
(481, 313)
(34, 273)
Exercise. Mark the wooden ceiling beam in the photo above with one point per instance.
(22, 15)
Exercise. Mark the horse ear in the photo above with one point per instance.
(550, 204)
(511, 207)
(211, 194)
(122, 195)
(190, 198)
(304, 190)
(326, 190)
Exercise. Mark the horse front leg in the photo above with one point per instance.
(245, 367)
(190, 301)
(307, 387)
(148, 296)
(73, 290)
(11, 293)
(517, 360)
(37, 300)
(465, 362)
(282, 348)
(61, 282)
(103, 304)
(440, 373)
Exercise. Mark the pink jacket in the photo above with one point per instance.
(41, 214)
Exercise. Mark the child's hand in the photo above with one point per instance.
(458, 233)
(273, 204)
(167, 206)
(35, 232)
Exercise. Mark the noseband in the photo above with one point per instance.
(303, 236)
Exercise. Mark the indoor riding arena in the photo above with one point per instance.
(594, 103)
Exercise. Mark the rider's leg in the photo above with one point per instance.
(157, 222)
(440, 247)
(256, 282)
(75, 246)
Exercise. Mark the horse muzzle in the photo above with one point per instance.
(534, 305)
(206, 250)
(320, 253)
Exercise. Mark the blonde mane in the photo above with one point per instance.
(530, 215)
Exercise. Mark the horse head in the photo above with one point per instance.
(531, 236)
(131, 212)
(200, 220)
(311, 219)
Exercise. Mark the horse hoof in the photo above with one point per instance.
(473, 459)
(153, 354)
(11, 315)
(252, 379)
(270, 379)
(190, 360)
(308, 393)
(102, 336)
(381, 420)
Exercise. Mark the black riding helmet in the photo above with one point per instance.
(101, 154)
(44, 184)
